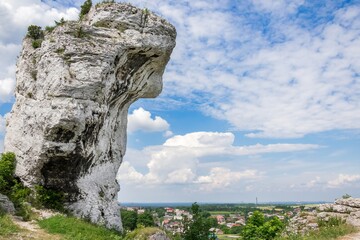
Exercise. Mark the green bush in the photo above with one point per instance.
(129, 219)
(85, 8)
(50, 28)
(7, 168)
(198, 227)
(146, 219)
(49, 198)
(257, 228)
(36, 43)
(35, 32)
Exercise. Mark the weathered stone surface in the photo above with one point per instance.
(346, 209)
(68, 124)
(6, 205)
(351, 202)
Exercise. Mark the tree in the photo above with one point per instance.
(129, 219)
(85, 8)
(198, 227)
(35, 32)
(145, 219)
(257, 228)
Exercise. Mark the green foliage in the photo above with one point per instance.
(7, 227)
(326, 232)
(80, 33)
(60, 50)
(331, 222)
(145, 219)
(257, 228)
(24, 210)
(346, 196)
(212, 222)
(198, 227)
(61, 22)
(7, 168)
(142, 233)
(129, 219)
(85, 8)
(236, 230)
(50, 28)
(75, 229)
(20, 193)
(49, 198)
(36, 43)
(35, 32)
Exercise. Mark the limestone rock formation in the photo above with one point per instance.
(68, 124)
(347, 209)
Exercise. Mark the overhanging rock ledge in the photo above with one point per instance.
(68, 124)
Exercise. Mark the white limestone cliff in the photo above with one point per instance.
(68, 124)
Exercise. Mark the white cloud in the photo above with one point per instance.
(275, 77)
(6, 89)
(343, 180)
(219, 178)
(15, 17)
(128, 173)
(140, 120)
(177, 161)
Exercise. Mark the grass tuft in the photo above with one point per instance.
(7, 227)
(75, 229)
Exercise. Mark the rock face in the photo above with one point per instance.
(347, 209)
(68, 124)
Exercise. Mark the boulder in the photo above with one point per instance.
(68, 124)
(6, 205)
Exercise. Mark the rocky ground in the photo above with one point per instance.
(346, 209)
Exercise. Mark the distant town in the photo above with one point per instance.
(224, 218)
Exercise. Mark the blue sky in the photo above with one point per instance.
(260, 99)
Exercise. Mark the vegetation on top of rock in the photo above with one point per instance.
(104, 2)
(346, 196)
(328, 230)
(85, 8)
(35, 32)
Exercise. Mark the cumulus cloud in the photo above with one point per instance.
(277, 75)
(177, 161)
(220, 177)
(16, 16)
(343, 180)
(140, 120)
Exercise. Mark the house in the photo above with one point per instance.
(140, 211)
(169, 210)
(216, 231)
(220, 219)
